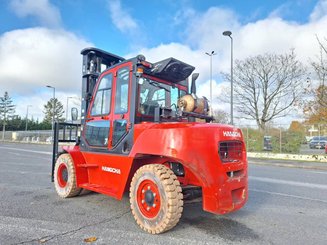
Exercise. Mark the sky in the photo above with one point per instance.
(41, 40)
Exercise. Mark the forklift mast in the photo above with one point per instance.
(95, 61)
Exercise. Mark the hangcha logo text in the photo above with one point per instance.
(231, 134)
(111, 170)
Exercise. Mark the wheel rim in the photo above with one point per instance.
(148, 198)
(62, 175)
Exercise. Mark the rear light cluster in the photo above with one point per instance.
(230, 151)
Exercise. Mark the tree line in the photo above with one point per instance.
(13, 122)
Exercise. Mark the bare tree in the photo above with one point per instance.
(220, 116)
(314, 108)
(267, 86)
(320, 68)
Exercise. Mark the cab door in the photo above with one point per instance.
(108, 120)
(98, 123)
(107, 133)
(119, 142)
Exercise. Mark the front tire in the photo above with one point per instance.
(65, 177)
(156, 198)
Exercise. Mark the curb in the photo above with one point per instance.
(287, 165)
(280, 156)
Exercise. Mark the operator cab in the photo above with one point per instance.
(119, 93)
(154, 93)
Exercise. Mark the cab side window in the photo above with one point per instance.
(121, 100)
(97, 131)
(101, 104)
(121, 105)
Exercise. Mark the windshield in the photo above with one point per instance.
(153, 94)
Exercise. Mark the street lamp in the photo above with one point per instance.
(211, 54)
(27, 116)
(53, 106)
(229, 34)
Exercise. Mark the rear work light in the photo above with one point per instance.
(230, 151)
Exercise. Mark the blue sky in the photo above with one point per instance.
(40, 40)
(158, 21)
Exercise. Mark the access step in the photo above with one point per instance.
(100, 189)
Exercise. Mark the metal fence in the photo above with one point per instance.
(279, 138)
(39, 136)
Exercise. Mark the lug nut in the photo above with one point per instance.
(148, 187)
(143, 191)
(143, 201)
(148, 208)
(154, 205)
(154, 194)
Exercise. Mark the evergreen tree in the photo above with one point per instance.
(7, 110)
(15, 123)
(58, 111)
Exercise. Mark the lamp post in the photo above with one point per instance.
(211, 54)
(53, 106)
(27, 116)
(229, 34)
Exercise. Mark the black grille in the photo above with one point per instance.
(230, 151)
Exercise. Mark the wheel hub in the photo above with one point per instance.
(62, 175)
(148, 198)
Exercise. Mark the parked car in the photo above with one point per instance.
(326, 149)
(318, 142)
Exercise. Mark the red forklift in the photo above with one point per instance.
(143, 131)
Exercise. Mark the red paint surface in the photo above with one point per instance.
(194, 145)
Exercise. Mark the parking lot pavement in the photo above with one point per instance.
(286, 205)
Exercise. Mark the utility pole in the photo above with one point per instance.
(211, 54)
(27, 116)
(229, 34)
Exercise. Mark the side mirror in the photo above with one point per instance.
(193, 85)
(74, 113)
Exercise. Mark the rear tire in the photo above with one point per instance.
(156, 198)
(65, 177)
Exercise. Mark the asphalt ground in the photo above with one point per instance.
(286, 206)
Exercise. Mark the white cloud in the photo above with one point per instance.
(270, 35)
(46, 13)
(319, 11)
(33, 58)
(204, 29)
(36, 57)
(120, 17)
(182, 15)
